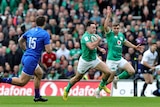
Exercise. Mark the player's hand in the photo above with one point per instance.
(102, 50)
(109, 11)
(98, 37)
(152, 69)
(138, 47)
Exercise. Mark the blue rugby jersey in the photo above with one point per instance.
(36, 39)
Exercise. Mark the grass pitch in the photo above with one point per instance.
(27, 101)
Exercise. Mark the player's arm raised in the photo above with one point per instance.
(108, 18)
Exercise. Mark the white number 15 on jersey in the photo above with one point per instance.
(32, 42)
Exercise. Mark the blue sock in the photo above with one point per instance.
(7, 80)
(37, 94)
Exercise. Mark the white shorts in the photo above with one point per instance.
(115, 65)
(84, 66)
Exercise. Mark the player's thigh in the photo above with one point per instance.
(24, 78)
(29, 65)
(125, 65)
(38, 71)
(148, 77)
(103, 67)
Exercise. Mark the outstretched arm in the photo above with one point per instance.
(108, 18)
(129, 44)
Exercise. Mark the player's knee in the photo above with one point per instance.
(39, 74)
(21, 83)
(131, 72)
(107, 73)
(150, 82)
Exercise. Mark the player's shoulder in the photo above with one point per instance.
(121, 34)
(156, 53)
(84, 35)
(147, 52)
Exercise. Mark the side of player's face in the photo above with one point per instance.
(154, 47)
(93, 28)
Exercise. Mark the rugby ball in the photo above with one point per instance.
(94, 37)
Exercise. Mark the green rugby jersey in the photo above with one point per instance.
(115, 44)
(87, 54)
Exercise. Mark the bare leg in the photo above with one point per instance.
(104, 69)
(148, 80)
(21, 81)
(37, 79)
(74, 80)
(106, 74)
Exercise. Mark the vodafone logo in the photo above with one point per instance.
(49, 89)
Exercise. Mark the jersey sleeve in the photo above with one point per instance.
(25, 35)
(86, 39)
(108, 33)
(46, 38)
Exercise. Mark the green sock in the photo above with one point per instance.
(68, 87)
(102, 84)
(124, 75)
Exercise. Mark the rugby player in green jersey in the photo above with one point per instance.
(115, 41)
(89, 59)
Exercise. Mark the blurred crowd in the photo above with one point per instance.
(66, 19)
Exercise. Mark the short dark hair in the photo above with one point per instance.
(115, 24)
(40, 20)
(89, 23)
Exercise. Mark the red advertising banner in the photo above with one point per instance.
(52, 88)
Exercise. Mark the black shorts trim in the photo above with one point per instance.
(145, 70)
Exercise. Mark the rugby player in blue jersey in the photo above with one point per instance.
(32, 42)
